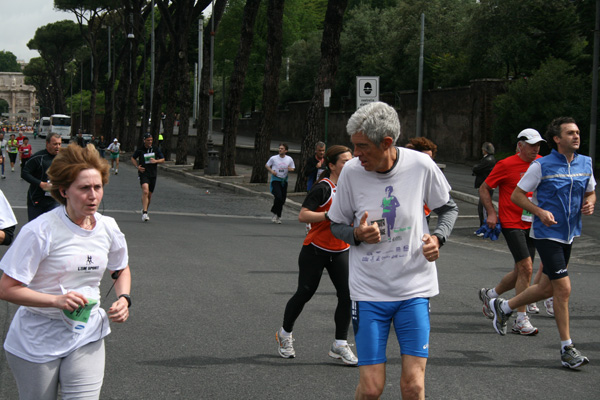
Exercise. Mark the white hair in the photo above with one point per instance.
(376, 121)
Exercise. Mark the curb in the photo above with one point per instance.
(239, 189)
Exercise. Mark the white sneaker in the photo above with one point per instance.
(117, 172)
(533, 308)
(344, 353)
(522, 326)
(286, 345)
(278, 220)
(274, 218)
(145, 217)
(549, 303)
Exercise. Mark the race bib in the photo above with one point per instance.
(77, 320)
(526, 215)
(148, 157)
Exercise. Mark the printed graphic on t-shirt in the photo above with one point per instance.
(389, 204)
(148, 157)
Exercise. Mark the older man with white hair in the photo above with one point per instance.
(392, 253)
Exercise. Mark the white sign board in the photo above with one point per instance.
(367, 90)
(326, 97)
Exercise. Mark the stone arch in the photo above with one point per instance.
(20, 97)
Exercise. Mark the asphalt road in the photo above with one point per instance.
(211, 276)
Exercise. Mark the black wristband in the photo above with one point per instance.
(126, 298)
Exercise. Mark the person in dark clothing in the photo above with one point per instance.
(145, 160)
(481, 170)
(39, 200)
(315, 166)
(79, 139)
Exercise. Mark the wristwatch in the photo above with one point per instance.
(441, 239)
(126, 298)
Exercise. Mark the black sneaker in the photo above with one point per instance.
(572, 358)
(500, 317)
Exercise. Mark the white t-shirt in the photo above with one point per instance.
(114, 147)
(280, 165)
(52, 254)
(3, 144)
(394, 269)
(7, 216)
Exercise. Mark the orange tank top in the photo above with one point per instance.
(320, 232)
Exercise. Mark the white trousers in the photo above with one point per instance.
(79, 375)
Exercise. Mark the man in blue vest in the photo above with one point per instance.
(564, 188)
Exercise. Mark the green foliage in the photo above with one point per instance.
(304, 56)
(8, 62)
(386, 43)
(553, 90)
(57, 42)
(513, 37)
(36, 73)
(82, 99)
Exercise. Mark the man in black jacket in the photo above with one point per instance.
(481, 170)
(39, 200)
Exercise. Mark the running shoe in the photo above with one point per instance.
(274, 219)
(286, 345)
(485, 299)
(549, 303)
(572, 358)
(522, 326)
(344, 353)
(533, 308)
(278, 220)
(500, 317)
(145, 217)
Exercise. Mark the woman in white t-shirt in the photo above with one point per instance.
(53, 271)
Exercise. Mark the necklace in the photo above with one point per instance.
(89, 226)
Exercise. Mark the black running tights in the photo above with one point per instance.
(311, 262)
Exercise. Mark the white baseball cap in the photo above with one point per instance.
(530, 136)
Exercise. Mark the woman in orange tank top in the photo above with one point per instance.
(321, 250)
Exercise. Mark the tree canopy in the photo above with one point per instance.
(8, 62)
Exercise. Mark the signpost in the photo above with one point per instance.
(367, 90)
(326, 98)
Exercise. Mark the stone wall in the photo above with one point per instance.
(458, 120)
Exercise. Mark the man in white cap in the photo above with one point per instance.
(564, 187)
(114, 149)
(515, 225)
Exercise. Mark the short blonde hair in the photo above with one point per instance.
(69, 162)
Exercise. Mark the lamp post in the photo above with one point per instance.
(81, 99)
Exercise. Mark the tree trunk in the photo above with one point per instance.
(201, 159)
(161, 67)
(262, 140)
(330, 53)
(236, 88)
(183, 26)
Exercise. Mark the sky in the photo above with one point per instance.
(20, 20)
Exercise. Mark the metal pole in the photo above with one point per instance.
(211, 90)
(81, 99)
(109, 55)
(594, 110)
(195, 112)
(152, 61)
(200, 55)
(420, 95)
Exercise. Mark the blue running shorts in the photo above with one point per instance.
(372, 320)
